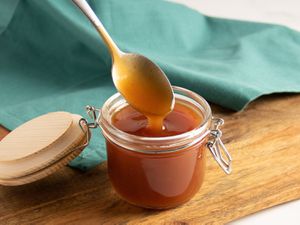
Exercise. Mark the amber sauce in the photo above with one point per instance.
(145, 87)
(182, 119)
(157, 181)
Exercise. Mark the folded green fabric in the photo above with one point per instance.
(51, 58)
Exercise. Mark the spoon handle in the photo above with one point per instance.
(86, 9)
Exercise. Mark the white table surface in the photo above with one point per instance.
(284, 12)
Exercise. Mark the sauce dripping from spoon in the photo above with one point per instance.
(141, 82)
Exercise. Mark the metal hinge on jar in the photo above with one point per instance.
(217, 148)
(94, 114)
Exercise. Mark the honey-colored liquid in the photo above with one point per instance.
(182, 119)
(145, 87)
(157, 180)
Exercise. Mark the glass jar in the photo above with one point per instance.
(161, 172)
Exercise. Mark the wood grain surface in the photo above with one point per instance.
(30, 148)
(264, 142)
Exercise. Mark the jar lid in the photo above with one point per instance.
(41, 146)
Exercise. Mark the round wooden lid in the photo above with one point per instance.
(39, 144)
(34, 136)
(47, 171)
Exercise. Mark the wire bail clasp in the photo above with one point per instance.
(85, 126)
(217, 148)
(94, 114)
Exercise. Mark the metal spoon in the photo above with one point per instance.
(141, 82)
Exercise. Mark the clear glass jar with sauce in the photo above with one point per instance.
(161, 172)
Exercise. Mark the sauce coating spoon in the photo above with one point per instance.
(140, 81)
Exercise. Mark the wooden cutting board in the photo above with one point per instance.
(264, 142)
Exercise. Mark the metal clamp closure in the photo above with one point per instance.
(85, 126)
(217, 148)
(92, 112)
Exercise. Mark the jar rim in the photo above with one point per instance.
(154, 145)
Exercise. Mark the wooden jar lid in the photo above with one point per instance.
(40, 147)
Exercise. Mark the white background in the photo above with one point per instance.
(284, 12)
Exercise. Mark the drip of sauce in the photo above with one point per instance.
(150, 93)
(182, 119)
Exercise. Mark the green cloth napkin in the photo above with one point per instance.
(51, 58)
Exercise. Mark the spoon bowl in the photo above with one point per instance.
(143, 84)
